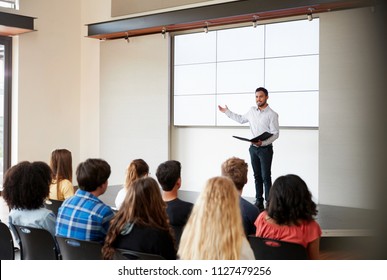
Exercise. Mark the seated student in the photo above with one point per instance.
(141, 223)
(236, 170)
(138, 168)
(25, 188)
(62, 170)
(169, 176)
(84, 216)
(214, 230)
(289, 215)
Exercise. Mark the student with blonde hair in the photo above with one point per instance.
(214, 230)
(62, 175)
(141, 224)
(138, 168)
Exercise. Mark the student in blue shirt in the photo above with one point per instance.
(84, 216)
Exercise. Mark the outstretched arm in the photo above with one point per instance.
(231, 115)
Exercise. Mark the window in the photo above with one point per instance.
(225, 67)
(12, 4)
(5, 102)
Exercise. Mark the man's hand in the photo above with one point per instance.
(223, 109)
(259, 143)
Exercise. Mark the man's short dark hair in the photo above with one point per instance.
(92, 173)
(168, 173)
(262, 89)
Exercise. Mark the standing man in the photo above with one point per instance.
(261, 119)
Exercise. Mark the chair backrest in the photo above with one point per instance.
(36, 244)
(53, 205)
(74, 249)
(124, 254)
(271, 249)
(6, 243)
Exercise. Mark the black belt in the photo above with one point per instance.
(267, 146)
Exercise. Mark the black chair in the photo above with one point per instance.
(6, 243)
(53, 205)
(74, 249)
(124, 254)
(36, 244)
(271, 249)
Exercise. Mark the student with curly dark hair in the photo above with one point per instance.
(289, 215)
(26, 186)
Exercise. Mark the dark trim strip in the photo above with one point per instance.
(215, 15)
(13, 24)
(7, 42)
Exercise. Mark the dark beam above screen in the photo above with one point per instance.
(215, 15)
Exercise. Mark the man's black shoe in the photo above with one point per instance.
(260, 206)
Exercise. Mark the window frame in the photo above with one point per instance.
(7, 42)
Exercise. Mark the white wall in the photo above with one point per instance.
(202, 151)
(347, 109)
(134, 103)
(47, 82)
(92, 11)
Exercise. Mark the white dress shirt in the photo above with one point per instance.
(265, 120)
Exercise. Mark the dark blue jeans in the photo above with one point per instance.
(261, 158)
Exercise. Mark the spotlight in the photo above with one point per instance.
(310, 14)
(163, 31)
(127, 38)
(255, 23)
(205, 29)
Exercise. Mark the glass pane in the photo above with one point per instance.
(287, 105)
(2, 65)
(241, 43)
(8, 4)
(240, 76)
(194, 110)
(195, 48)
(297, 73)
(195, 79)
(292, 38)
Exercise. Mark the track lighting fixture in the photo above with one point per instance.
(255, 23)
(310, 14)
(127, 38)
(205, 29)
(163, 32)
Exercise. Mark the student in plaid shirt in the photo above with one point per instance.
(84, 216)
